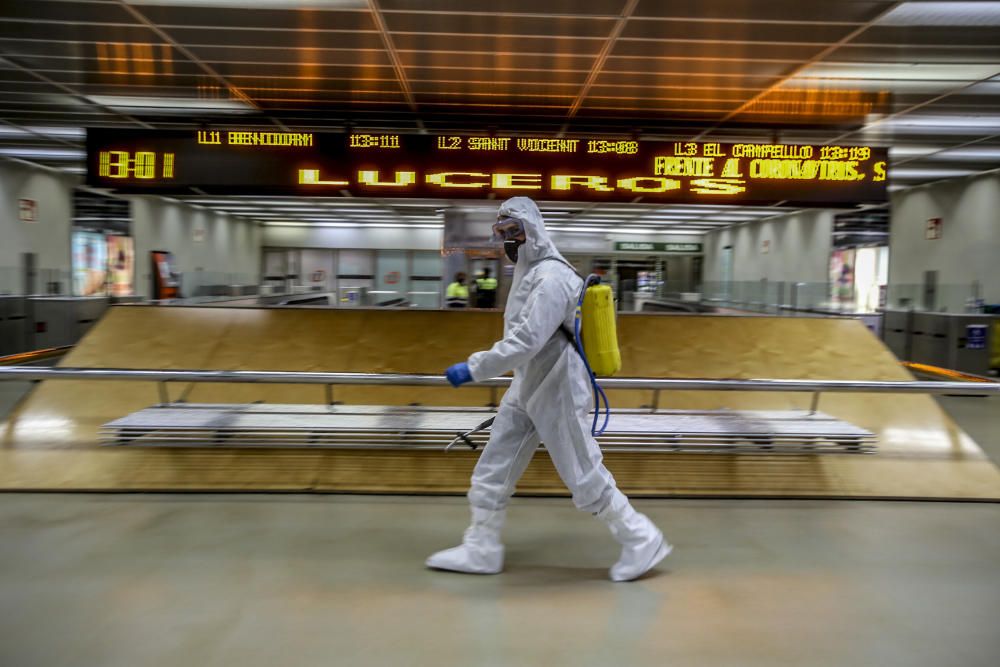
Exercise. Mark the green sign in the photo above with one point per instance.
(649, 246)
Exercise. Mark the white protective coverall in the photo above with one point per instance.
(549, 400)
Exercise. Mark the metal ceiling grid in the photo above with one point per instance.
(916, 76)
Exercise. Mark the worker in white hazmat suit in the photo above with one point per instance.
(549, 400)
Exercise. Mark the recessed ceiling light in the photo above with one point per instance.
(694, 210)
(668, 218)
(33, 131)
(901, 71)
(171, 105)
(937, 124)
(807, 86)
(29, 152)
(763, 214)
(939, 14)
(917, 173)
(353, 225)
(977, 121)
(723, 218)
(625, 230)
(969, 154)
(912, 150)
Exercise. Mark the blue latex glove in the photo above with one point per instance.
(458, 374)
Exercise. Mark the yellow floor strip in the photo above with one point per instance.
(945, 372)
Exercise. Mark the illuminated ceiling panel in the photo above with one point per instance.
(936, 14)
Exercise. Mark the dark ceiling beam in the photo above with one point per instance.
(602, 57)
(44, 137)
(397, 63)
(843, 41)
(187, 53)
(921, 105)
(71, 91)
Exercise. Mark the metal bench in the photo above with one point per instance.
(405, 428)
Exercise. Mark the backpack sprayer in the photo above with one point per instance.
(596, 336)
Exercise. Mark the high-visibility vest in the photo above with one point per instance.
(486, 284)
(457, 294)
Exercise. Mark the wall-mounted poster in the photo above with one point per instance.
(27, 210)
(933, 230)
(121, 265)
(842, 276)
(90, 261)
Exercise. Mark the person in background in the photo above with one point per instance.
(486, 290)
(458, 294)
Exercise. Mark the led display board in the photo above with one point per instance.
(464, 166)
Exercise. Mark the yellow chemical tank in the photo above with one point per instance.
(600, 333)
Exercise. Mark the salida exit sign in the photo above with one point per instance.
(651, 246)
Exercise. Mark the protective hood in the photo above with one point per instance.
(537, 245)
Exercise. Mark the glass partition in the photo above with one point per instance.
(392, 279)
(425, 284)
(355, 276)
(47, 282)
(821, 297)
(318, 271)
(210, 284)
(934, 298)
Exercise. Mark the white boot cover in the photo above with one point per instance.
(481, 551)
(643, 545)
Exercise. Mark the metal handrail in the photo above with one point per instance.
(660, 384)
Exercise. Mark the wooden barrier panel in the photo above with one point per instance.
(50, 440)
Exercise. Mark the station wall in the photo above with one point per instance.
(49, 236)
(223, 246)
(969, 247)
(209, 248)
(790, 248)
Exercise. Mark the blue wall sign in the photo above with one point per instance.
(975, 337)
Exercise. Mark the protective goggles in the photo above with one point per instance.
(506, 229)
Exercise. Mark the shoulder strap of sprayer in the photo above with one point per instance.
(599, 394)
(570, 338)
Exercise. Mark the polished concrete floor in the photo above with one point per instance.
(339, 580)
(11, 394)
(137, 580)
(980, 417)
